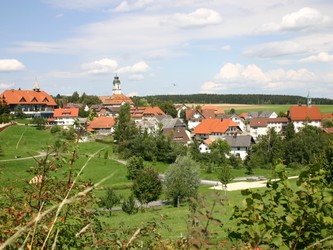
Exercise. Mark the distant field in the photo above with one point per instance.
(240, 108)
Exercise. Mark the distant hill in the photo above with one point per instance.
(237, 99)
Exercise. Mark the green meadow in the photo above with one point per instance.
(276, 108)
(29, 142)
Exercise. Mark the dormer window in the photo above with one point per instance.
(23, 100)
(45, 100)
(34, 100)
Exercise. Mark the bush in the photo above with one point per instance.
(129, 205)
(55, 129)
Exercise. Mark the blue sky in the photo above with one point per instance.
(168, 46)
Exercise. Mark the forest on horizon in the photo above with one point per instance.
(236, 99)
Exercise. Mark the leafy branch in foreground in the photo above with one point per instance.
(285, 217)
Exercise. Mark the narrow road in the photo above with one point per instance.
(41, 154)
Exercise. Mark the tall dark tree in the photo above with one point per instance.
(169, 108)
(75, 97)
(268, 151)
(147, 186)
(125, 129)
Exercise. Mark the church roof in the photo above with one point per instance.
(115, 99)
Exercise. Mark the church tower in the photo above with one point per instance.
(36, 86)
(116, 90)
(308, 100)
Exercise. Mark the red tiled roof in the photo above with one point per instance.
(328, 116)
(61, 113)
(328, 130)
(217, 110)
(303, 113)
(101, 122)
(209, 126)
(243, 115)
(263, 122)
(115, 99)
(205, 113)
(153, 111)
(28, 97)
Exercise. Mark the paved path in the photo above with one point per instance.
(240, 185)
(41, 154)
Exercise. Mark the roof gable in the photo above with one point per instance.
(209, 126)
(66, 113)
(305, 113)
(14, 97)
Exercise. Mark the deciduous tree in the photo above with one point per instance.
(182, 180)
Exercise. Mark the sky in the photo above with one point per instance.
(168, 46)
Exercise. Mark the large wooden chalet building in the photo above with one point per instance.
(33, 102)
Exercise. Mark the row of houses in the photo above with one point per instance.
(205, 124)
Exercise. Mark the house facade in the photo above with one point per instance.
(216, 128)
(194, 116)
(301, 116)
(260, 126)
(66, 117)
(32, 102)
(240, 145)
(103, 125)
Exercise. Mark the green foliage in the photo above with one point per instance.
(305, 145)
(219, 149)
(19, 112)
(110, 199)
(268, 151)
(284, 217)
(168, 108)
(55, 129)
(182, 180)
(40, 122)
(327, 123)
(125, 130)
(236, 161)
(134, 166)
(147, 186)
(51, 212)
(224, 174)
(129, 205)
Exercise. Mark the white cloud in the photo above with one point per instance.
(79, 4)
(6, 86)
(303, 19)
(252, 79)
(7, 65)
(199, 18)
(253, 73)
(102, 66)
(276, 49)
(136, 77)
(300, 75)
(211, 87)
(139, 67)
(125, 6)
(230, 71)
(320, 57)
(226, 47)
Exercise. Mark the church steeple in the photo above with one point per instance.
(36, 86)
(116, 90)
(308, 100)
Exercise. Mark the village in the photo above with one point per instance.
(205, 123)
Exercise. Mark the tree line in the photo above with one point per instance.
(238, 99)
